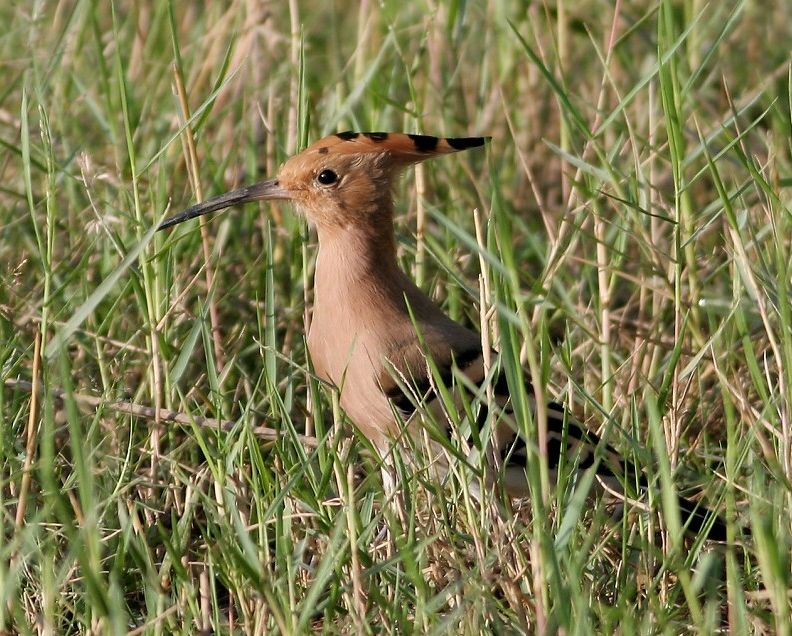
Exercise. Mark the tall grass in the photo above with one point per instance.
(168, 461)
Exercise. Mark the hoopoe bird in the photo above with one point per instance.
(374, 333)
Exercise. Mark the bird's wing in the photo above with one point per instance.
(450, 389)
(456, 381)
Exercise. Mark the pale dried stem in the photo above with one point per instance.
(206, 603)
(420, 224)
(767, 319)
(363, 32)
(294, 58)
(145, 627)
(603, 282)
(32, 436)
(535, 189)
(309, 423)
(359, 604)
(177, 301)
(192, 167)
(162, 415)
(555, 256)
(485, 301)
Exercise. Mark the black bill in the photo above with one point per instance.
(257, 192)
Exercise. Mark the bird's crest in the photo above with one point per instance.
(404, 147)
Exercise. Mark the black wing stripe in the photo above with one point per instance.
(422, 388)
(696, 518)
(467, 357)
(514, 451)
(580, 444)
(566, 439)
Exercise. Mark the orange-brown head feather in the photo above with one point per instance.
(364, 166)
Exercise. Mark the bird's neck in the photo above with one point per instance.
(358, 299)
(356, 262)
(365, 309)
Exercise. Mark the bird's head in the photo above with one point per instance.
(340, 180)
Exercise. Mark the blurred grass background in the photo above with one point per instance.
(635, 241)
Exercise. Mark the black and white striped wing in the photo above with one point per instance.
(460, 398)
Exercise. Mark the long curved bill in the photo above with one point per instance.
(264, 190)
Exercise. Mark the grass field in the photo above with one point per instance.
(626, 236)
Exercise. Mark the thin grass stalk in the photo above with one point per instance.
(191, 161)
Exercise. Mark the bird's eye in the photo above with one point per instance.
(327, 177)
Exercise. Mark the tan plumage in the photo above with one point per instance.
(372, 328)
